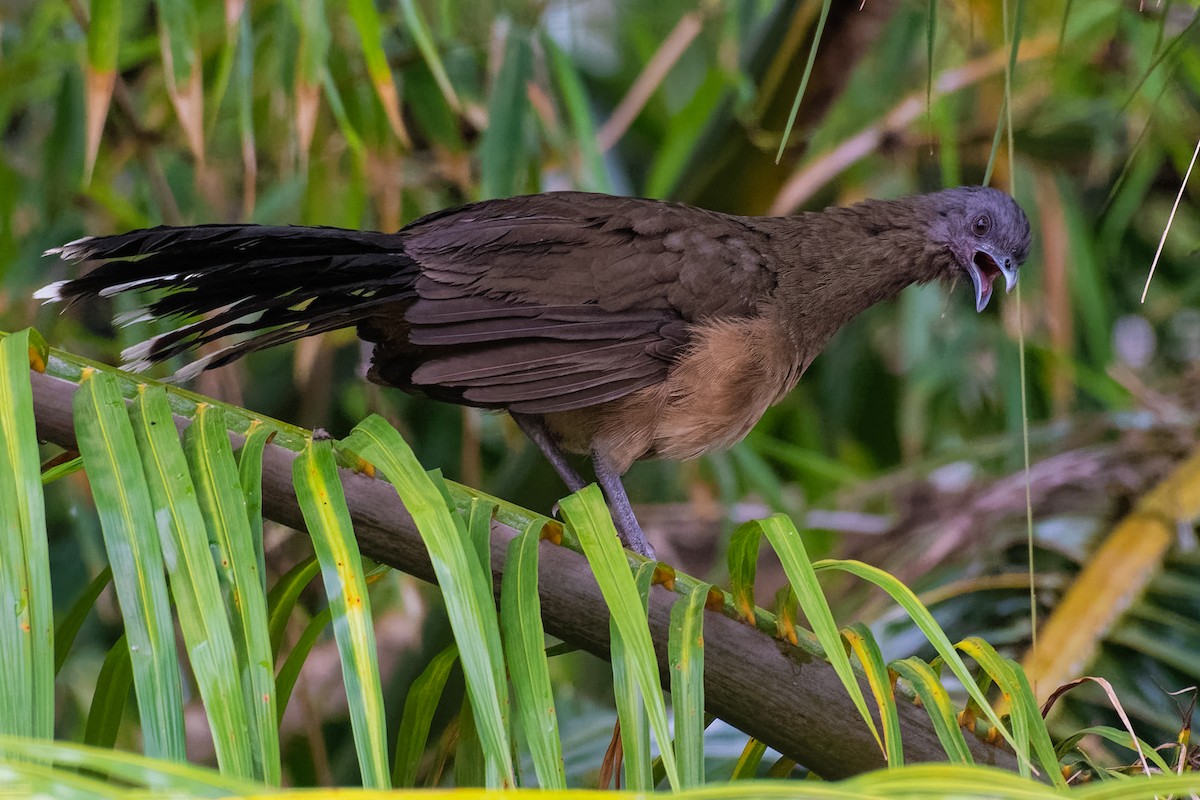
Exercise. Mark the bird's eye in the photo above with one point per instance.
(981, 225)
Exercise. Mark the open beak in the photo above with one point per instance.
(984, 268)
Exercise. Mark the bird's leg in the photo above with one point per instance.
(607, 476)
(628, 528)
(539, 434)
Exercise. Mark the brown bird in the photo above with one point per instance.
(615, 327)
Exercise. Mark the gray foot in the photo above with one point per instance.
(628, 528)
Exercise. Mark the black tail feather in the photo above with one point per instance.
(276, 283)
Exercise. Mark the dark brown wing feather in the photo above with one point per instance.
(565, 300)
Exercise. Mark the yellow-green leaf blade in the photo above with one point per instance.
(785, 539)
(419, 707)
(466, 584)
(937, 702)
(323, 503)
(27, 629)
(194, 585)
(110, 456)
(219, 492)
(588, 516)
(525, 648)
(686, 656)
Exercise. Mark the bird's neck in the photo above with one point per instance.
(845, 260)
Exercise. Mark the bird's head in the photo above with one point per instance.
(986, 233)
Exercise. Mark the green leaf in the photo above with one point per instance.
(110, 456)
(937, 702)
(338, 108)
(424, 41)
(470, 765)
(323, 503)
(250, 464)
(227, 61)
(588, 516)
(177, 21)
(466, 583)
(525, 648)
(686, 657)
(862, 643)
(194, 585)
(479, 524)
(593, 175)
(313, 50)
(742, 556)
(748, 762)
(110, 696)
(370, 33)
(289, 672)
(786, 608)
(243, 92)
(71, 621)
(219, 491)
(100, 72)
(1091, 296)
(62, 470)
(283, 597)
(430, 113)
(419, 707)
(785, 539)
(37, 780)
(920, 615)
(27, 630)
(1116, 736)
(812, 57)
(502, 147)
(687, 128)
(103, 35)
(1028, 727)
(805, 461)
(631, 707)
(124, 770)
(930, 38)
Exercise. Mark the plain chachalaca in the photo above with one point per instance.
(610, 326)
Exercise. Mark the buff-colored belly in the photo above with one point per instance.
(711, 399)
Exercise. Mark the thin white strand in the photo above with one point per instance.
(1163, 239)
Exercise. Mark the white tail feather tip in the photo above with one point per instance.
(51, 292)
(138, 354)
(127, 318)
(117, 288)
(71, 250)
(191, 370)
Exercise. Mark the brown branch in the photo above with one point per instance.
(778, 693)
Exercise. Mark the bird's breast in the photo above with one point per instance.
(731, 372)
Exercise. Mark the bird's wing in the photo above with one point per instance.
(565, 300)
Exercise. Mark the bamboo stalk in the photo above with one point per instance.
(1113, 579)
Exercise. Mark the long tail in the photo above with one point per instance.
(275, 283)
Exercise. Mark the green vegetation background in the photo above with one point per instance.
(910, 423)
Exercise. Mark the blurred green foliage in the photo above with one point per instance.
(299, 111)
